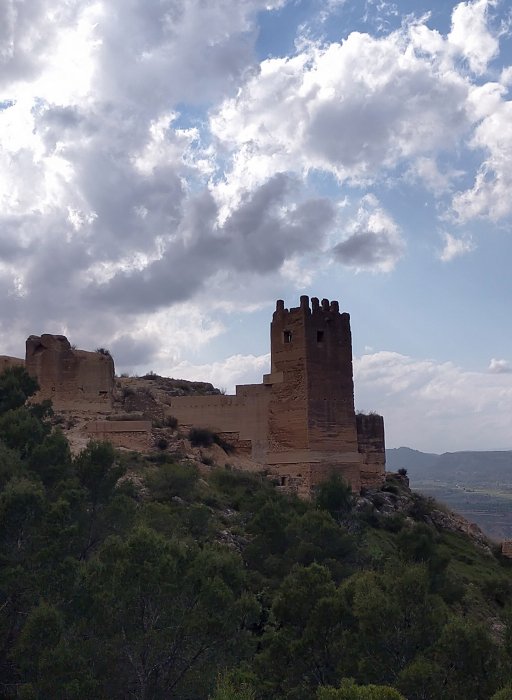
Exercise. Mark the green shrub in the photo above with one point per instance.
(173, 480)
(162, 443)
(201, 437)
(335, 496)
(171, 422)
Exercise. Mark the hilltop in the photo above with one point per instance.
(154, 575)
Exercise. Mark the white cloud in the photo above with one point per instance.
(489, 196)
(435, 406)
(455, 247)
(237, 369)
(351, 108)
(499, 366)
(112, 211)
(470, 34)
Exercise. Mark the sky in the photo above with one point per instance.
(170, 168)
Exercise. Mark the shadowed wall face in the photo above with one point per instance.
(370, 436)
(70, 378)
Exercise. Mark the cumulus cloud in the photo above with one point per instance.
(499, 366)
(236, 369)
(373, 239)
(351, 108)
(105, 201)
(117, 202)
(493, 136)
(471, 36)
(455, 247)
(438, 406)
(258, 236)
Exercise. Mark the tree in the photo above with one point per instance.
(22, 430)
(335, 496)
(16, 386)
(228, 689)
(303, 645)
(348, 690)
(51, 459)
(165, 614)
(397, 617)
(471, 662)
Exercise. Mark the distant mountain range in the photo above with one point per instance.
(470, 468)
(478, 485)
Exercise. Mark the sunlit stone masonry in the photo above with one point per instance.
(299, 424)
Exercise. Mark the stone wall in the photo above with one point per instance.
(133, 435)
(300, 422)
(6, 362)
(370, 437)
(243, 416)
(506, 548)
(72, 379)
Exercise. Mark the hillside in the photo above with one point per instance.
(156, 576)
(476, 484)
(472, 468)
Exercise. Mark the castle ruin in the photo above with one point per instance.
(299, 424)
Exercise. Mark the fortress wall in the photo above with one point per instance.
(506, 548)
(218, 413)
(132, 435)
(370, 436)
(299, 423)
(70, 378)
(6, 362)
(303, 477)
(244, 414)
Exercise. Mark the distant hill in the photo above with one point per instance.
(468, 467)
(476, 484)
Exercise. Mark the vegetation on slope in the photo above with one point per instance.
(123, 576)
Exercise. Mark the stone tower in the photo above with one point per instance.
(312, 426)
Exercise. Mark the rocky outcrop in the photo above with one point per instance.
(396, 498)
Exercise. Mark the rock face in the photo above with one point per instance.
(72, 379)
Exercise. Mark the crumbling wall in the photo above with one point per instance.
(6, 362)
(72, 379)
(243, 415)
(132, 435)
(370, 437)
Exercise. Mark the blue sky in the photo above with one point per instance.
(168, 168)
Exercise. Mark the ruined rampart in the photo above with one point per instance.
(72, 379)
(299, 424)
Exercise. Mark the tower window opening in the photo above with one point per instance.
(319, 336)
(287, 336)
